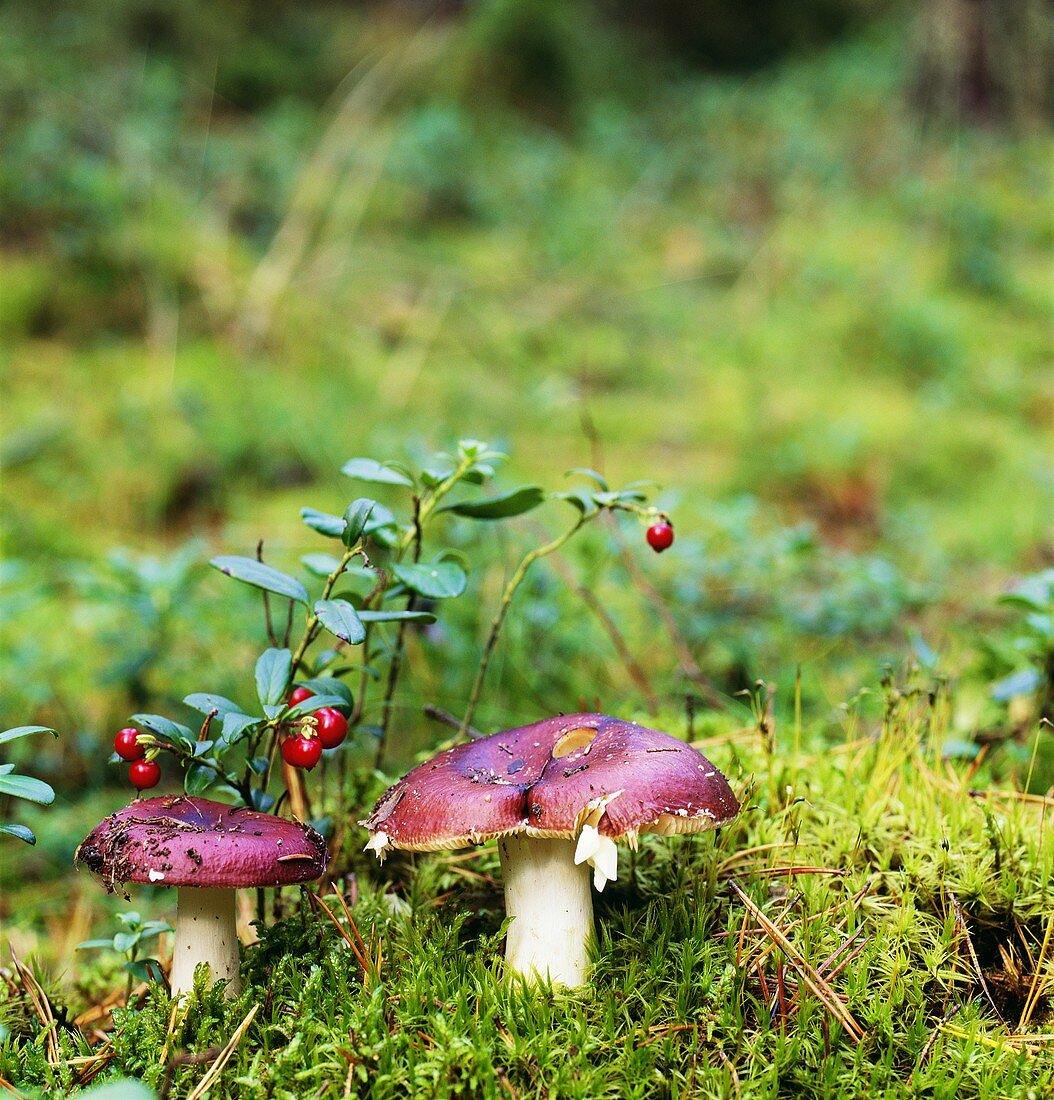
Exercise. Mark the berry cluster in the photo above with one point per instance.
(325, 729)
(304, 749)
(143, 773)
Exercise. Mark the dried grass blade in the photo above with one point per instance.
(41, 1005)
(224, 1057)
(1037, 978)
(360, 956)
(808, 975)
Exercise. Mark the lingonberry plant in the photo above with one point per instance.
(384, 575)
(23, 786)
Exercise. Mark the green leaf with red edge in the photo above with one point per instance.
(341, 619)
(266, 577)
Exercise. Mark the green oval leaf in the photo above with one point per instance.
(320, 564)
(316, 702)
(253, 572)
(166, 730)
(199, 778)
(441, 580)
(23, 731)
(369, 469)
(585, 471)
(22, 833)
(274, 670)
(514, 503)
(235, 727)
(341, 619)
(25, 786)
(356, 516)
(397, 616)
(323, 522)
(206, 703)
(329, 685)
(125, 941)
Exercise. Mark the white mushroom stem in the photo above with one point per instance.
(206, 932)
(548, 897)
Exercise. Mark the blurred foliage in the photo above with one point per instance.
(239, 243)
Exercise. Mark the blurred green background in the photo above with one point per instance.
(792, 261)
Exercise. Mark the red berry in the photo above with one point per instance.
(144, 774)
(660, 537)
(301, 752)
(126, 745)
(299, 695)
(331, 727)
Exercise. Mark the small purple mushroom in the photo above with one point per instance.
(558, 795)
(207, 851)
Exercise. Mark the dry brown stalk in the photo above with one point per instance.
(216, 1068)
(808, 974)
(1037, 977)
(41, 1006)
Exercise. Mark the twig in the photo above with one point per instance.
(271, 636)
(506, 599)
(1017, 796)
(791, 870)
(633, 666)
(437, 714)
(807, 973)
(688, 664)
(934, 1035)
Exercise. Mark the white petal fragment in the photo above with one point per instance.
(600, 852)
(377, 843)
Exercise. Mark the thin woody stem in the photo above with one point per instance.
(495, 627)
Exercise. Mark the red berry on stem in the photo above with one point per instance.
(126, 745)
(301, 752)
(660, 536)
(299, 695)
(144, 774)
(331, 727)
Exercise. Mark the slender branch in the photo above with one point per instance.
(396, 663)
(510, 590)
(688, 664)
(633, 666)
(445, 718)
(271, 636)
(312, 629)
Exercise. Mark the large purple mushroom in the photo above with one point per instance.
(207, 851)
(558, 795)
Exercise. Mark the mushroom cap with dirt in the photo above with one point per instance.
(207, 850)
(558, 795)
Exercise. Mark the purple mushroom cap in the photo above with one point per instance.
(548, 778)
(185, 841)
